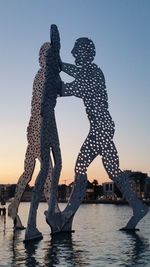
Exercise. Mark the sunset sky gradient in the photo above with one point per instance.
(120, 31)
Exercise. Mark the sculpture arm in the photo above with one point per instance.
(54, 37)
(70, 69)
(71, 89)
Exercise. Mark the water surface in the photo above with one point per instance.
(97, 242)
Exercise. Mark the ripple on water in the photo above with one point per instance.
(96, 241)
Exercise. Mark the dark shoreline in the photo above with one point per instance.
(108, 201)
(100, 201)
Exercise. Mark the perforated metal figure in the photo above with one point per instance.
(33, 137)
(49, 135)
(89, 84)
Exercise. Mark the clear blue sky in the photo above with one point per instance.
(120, 31)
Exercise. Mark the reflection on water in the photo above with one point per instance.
(30, 254)
(63, 251)
(59, 251)
(136, 250)
(96, 242)
(3, 223)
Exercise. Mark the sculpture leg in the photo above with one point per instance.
(24, 179)
(62, 221)
(53, 215)
(124, 183)
(76, 198)
(47, 185)
(32, 232)
(80, 185)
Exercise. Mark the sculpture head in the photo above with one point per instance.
(42, 54)
(83, 51)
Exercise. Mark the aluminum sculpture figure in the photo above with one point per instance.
(33, 137)
(89, 84)
(49, 136)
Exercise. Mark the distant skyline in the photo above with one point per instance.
(120, 31)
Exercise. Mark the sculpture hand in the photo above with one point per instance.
(54, 37)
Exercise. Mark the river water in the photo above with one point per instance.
(96, 242)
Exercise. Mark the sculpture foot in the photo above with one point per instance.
(12, 212)
(67, 221)
(32, 234)
(128, 230)
(136, 218)
(18, 228)
(54, 220)
(59, 223)
(18, 224)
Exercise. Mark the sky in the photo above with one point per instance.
(120, 31)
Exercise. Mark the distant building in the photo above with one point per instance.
(89, 195)
(6, 192)
(109, 190)
(139, 183)
(3, 195)
(27, 195)
(147, 189)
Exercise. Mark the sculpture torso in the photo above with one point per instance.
(89, 84)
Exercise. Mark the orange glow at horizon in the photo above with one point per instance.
(15, 170)
(12, 164)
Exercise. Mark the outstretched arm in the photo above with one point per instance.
(70, 69)
(71, 89)
(54, 37)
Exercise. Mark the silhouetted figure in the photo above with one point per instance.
(33, 137)
(89, 84)
(49, 135)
